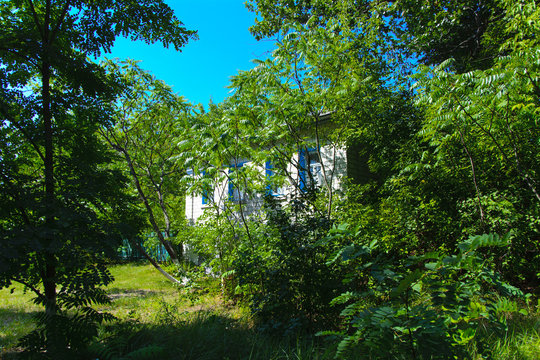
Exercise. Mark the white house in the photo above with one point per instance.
(243, 183)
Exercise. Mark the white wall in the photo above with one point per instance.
(333, 159)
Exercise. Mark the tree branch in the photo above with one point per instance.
(12, 120)
(36, 19)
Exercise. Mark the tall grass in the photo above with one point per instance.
(521, 341)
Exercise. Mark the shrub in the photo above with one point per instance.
(284, 275)
(425, 307)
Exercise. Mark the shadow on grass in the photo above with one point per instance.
(14, 324)
(116, 293)
(205, 335)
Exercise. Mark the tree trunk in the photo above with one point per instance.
(48, 274)
(166, 243)
(156, 265)
(167, 221)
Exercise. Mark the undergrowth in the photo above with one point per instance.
(156, 320)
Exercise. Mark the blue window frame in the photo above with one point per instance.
(235, 192)
(314, 168)
(269, 172)
(206, 191)
(302, 170)
(271, 189)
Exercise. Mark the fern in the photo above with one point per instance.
(436, 299)
(477, 241)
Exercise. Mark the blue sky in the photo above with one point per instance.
(202, 70)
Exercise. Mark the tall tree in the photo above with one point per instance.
(148, 120)
(486, 121)
(469, 31)
(52, 101)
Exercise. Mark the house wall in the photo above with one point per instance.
(194, 201)
(335, 160)
(335, 166)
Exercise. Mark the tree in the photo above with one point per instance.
(149, 119)
(461, 160)
(488, 118)
(470, 31)
(60, 200)
(326, 84)
(274, 15)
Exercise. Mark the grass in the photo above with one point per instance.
(158, 320)
(156, 317)
(522, 341)
(16, 315)
(193, 323)
(147, 297)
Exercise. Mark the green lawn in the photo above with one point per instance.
(140, 292)
(16, 315)
(165, 322)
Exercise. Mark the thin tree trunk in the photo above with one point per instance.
(167, 221)
(48, 274)
(167, 244)
(156, 265)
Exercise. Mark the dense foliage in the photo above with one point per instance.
(62, 208)
(285, 276)
(410, 256)
(431, 306)
(442, 129)
(148, 119)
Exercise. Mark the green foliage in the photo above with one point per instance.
(151, 312)
(125, 341)
(468, 31)
(215, 241)
(284, 276)
(149, 119)
(66, 333)
(274, 15)
(62, 209)
(483, 123)
(426, 307)
(460, 160)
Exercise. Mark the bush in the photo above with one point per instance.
(284, 274)
(425, 307)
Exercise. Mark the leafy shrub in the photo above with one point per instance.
(66, 333)
(284, 275)
(129, 340)
(505, 210)
(212, 242)
(424, 307)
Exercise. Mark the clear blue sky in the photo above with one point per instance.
(202, 70)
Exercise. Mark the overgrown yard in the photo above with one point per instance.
(157, 320)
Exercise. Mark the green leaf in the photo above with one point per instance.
(406, 282)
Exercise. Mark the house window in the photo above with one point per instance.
(237, 193)
(207, 193)
(205, 199)
(309, 169)
(272, 189)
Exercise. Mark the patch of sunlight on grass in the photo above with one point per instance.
(18, 299)
(16, 315)
(141, 293)
(520, 342)
(137, 276)
(522, 345)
